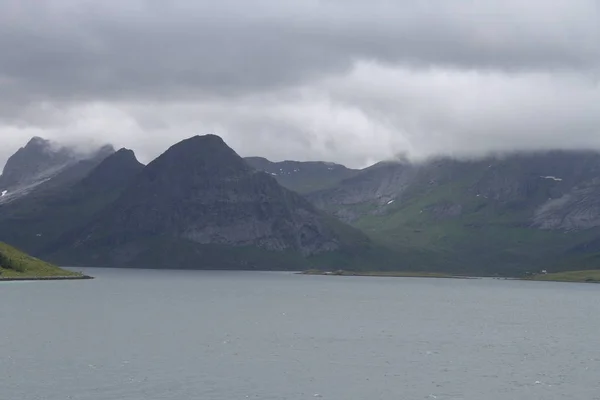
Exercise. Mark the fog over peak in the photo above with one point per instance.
(348, 81)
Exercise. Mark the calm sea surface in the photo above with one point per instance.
(136, 335)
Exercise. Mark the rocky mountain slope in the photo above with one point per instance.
(67, 200)
(41, 164)
(303, 176)
(505, 215)
(200, 205)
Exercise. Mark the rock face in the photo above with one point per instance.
(302, 177)
(201, 192)
(578, 209)
(375, 186)
(37, 160)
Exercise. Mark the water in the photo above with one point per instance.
(137, 335)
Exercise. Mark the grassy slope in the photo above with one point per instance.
(485, 238)
(382, 274)
(570, 276)
(16, 264)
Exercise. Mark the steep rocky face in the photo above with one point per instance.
(376, 185)
(201, 192)
(31, 166)
(38, 159)
(302, 177)
(576, 209)
(68, 200)
(41, 165)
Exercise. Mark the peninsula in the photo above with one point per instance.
(16, 265)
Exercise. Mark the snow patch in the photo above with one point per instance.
(273, 173)
(391, 201)
(4, 192)
(551, 177)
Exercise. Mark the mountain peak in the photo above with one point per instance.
(37, 159)
(116, 169)
(105, 150)
(37, 141)
(204, 144)
(207, 155)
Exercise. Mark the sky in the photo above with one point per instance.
(350, 81)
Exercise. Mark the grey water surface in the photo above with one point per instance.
(136, 335)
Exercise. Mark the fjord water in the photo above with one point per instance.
(137, 335)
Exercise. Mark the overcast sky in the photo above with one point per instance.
(352, 81)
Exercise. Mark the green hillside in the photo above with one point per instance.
(16, 264)
(591, 276)
(490, 217)
(485, 235)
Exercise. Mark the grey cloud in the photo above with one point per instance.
(349, 81)
(184, 49)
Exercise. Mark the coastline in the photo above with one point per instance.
(388, 274)
(592, 276)
(45, 278)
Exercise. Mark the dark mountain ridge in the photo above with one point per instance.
(66, 201)
(205, 207)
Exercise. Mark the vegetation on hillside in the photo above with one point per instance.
(484, 236)
(591, 276)
(16, 264)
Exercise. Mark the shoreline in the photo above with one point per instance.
(390, 274)
(45, 278)
(400, 274)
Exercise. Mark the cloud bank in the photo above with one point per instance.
(348, 81)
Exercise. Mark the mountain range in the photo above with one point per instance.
(200, 205)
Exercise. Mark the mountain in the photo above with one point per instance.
(68, 200)
(200, 205)
(43, 164)
(38, 159)
(302, 177)
(496, 215)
